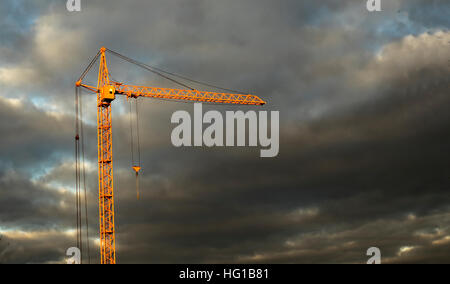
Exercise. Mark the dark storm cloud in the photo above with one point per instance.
(32, 137)
(37, 247)
(358, 175)
(33, 145)
(27, 206)
(363, 159)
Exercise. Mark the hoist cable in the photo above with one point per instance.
(137, 133)
(76, 162)
(137, 162)
(137, 186)
(84, 175)
(138, 148)
(159, 70)
(145, 66)
(77, 172)
(131, 135)
(89, 67)
(198, 82)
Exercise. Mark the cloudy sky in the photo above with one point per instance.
(364, 143)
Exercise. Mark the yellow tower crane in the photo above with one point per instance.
(106, 91)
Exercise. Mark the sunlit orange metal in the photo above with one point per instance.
(187, 95)
(106, 91)
(105, 166)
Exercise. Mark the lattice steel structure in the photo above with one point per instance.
(106, 90)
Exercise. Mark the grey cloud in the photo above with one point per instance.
(363, 142)
(32, 136)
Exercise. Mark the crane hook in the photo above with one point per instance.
(137, 169)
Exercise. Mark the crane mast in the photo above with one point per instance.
(105, 166)
(106, 91)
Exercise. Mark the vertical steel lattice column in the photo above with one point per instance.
(105, 171)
